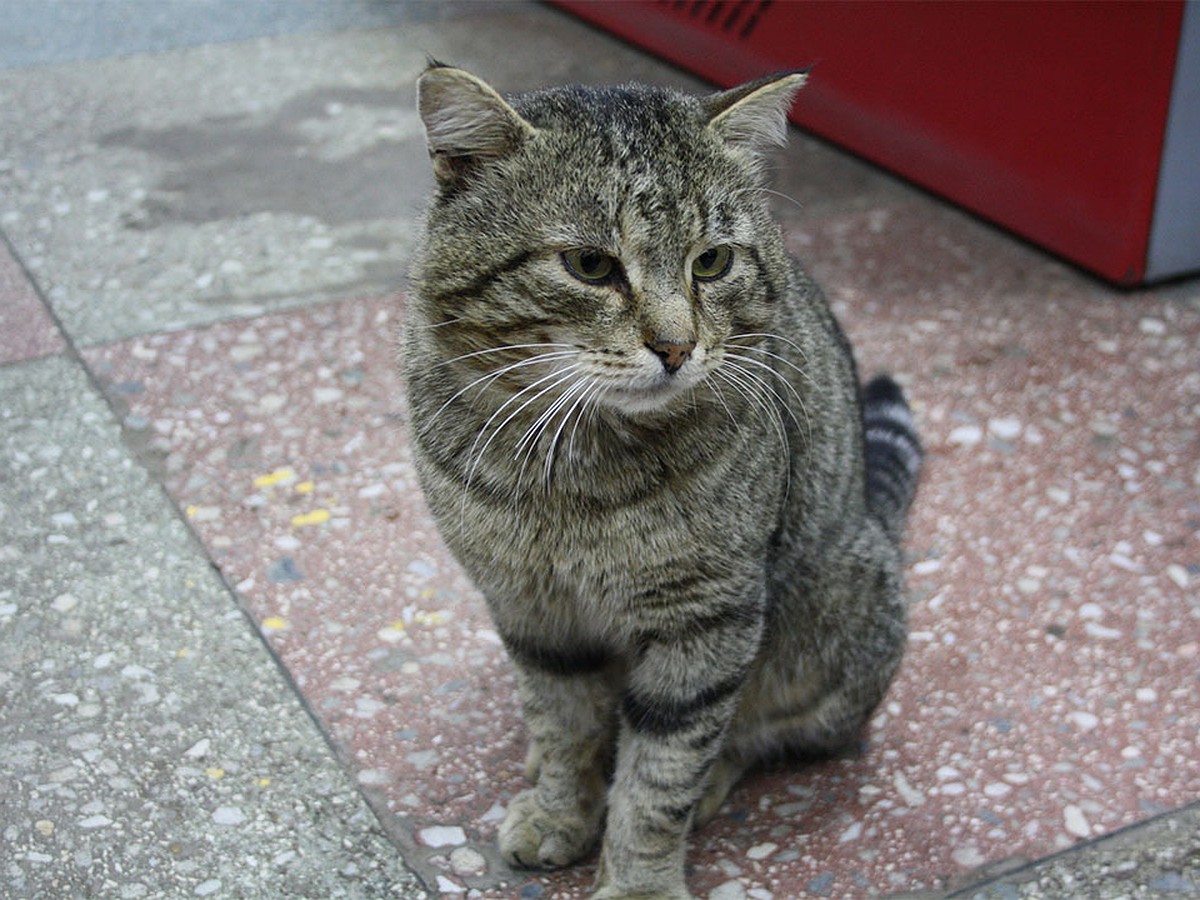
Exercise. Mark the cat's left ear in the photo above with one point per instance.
(753, 118)
(465, 121)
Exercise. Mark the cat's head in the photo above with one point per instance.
(620, 233)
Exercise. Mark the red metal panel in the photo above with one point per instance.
(1046, 117)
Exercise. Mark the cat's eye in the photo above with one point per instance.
(713, 263)
(589, 265)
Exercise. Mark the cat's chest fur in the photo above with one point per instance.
(624, 512)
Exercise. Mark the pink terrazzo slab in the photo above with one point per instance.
(26, 329)
(1049, 691)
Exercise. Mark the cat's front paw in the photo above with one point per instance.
(534, 837)
(605, 889)
(610, 893)
(613, 893)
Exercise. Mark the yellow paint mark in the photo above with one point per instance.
(182, 652)
(305, 487)
(316, 517)
(192, 510)
(430, 618)
(275, 623)
(263, 782)
(285, 475)
(215, 773)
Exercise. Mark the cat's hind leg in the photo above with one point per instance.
(726, 772)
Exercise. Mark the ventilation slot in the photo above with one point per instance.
(736, 18)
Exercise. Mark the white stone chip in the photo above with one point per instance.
(729, 890)
(968, 856)
(442, 836)
(198, 750)
(910, 795)
(1179, 575)
(1075, 821)
(1150, 325)
(374, 776)
(228, 815)
(1085, 720)
(965, 435)
(762, 851)
(1096, 630)
(1006, 428)
(64, 602)
(467, 861)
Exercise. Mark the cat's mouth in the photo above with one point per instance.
(652, 395)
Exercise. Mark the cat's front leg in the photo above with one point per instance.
(680, 698)
(568, 704)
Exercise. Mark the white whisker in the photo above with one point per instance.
(434, 325)
(579, 395)
(501, 349)
(716, 392)
(774, 337)
(796, 394)
(744, 382)
(783, 196)
(488, 377)
(556, 378)
(589, 406)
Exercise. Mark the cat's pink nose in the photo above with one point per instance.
(672, 353)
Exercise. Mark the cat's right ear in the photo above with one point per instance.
(465, 120)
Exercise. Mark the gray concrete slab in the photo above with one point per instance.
(1157, 858)
(149, 746)
(162, 191)
(42, 32)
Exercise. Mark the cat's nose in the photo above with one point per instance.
(672, 353)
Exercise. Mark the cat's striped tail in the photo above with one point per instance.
(893, 452)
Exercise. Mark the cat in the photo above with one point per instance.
(641, 431)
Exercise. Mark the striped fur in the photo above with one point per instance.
(892, 450)
(638, 426)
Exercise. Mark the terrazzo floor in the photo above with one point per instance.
(1049, 693)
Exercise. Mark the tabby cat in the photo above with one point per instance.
(641, 432)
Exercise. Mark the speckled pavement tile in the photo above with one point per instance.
(149, 747)
(1048, 696)
(26, 329)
